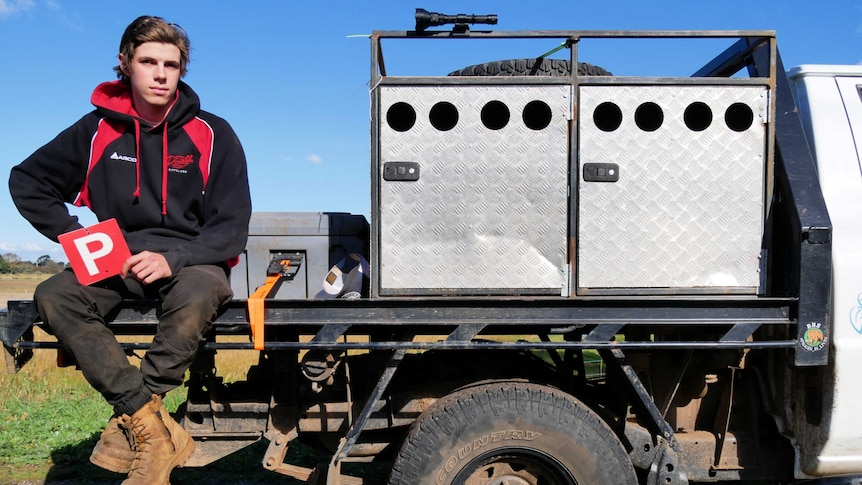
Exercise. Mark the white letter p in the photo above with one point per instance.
(90, 257)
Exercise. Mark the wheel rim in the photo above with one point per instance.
(515, 466)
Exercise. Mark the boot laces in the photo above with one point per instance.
(141, 442)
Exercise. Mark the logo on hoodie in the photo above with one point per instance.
(178, 163)
(125, 158)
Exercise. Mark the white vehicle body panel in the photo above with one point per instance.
(831, 110)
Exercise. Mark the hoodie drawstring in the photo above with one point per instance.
(137, 193)
(165, 169)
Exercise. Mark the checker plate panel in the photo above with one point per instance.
(687, 211)
(489, 210)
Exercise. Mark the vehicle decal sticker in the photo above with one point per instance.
(813, 339)
(856, 314)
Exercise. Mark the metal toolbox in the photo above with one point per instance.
(317, 239)
(684, 208)
(473, 189)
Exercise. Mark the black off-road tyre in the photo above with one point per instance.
(511, 433)
(528, 67)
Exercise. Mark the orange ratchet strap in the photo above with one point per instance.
(255, 310)
(282, 267)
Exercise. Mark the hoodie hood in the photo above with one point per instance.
(114, 100)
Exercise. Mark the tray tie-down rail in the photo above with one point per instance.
(468, 323)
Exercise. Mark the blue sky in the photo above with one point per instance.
(292, 77)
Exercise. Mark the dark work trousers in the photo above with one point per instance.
(75, 314)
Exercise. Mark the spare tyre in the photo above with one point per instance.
(529, 67)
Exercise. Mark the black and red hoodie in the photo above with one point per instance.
(179, 188)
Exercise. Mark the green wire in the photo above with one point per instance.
(555, 49)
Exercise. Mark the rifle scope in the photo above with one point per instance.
(425, 19)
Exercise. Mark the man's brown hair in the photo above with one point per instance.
(147, 28)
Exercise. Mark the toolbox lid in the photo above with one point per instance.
(307, 224)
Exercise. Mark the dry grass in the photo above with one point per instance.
(18, 286)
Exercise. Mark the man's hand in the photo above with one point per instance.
(146, 267)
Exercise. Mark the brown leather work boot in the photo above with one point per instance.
(160, 444)
(179, 436)
(113, 451)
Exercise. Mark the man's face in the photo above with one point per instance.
(154, 72)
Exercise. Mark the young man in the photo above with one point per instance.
(174, 177)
